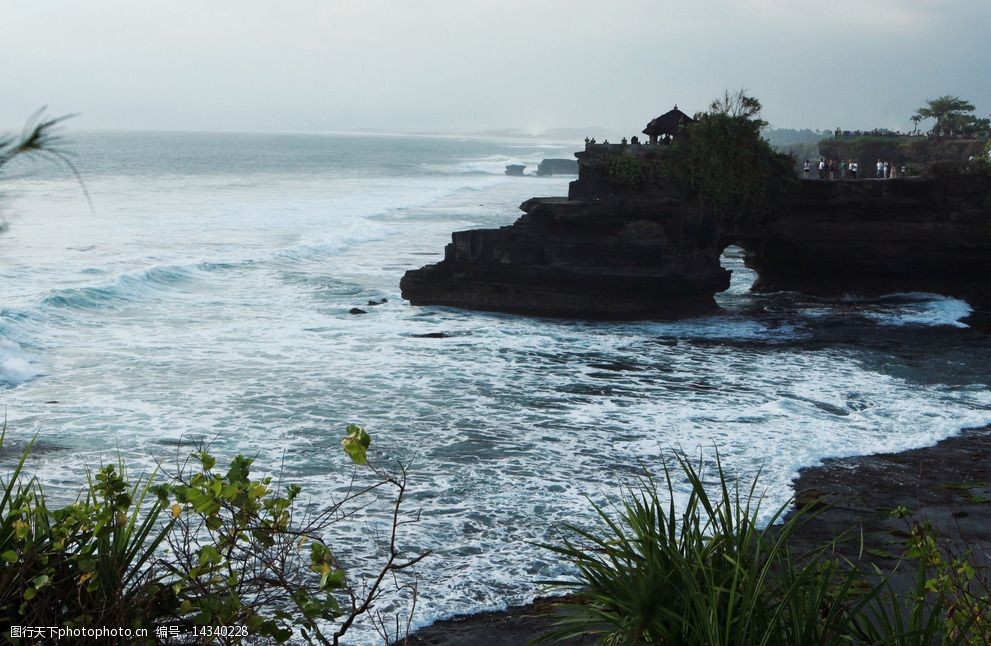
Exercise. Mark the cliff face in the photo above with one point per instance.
(615, 251)
(879, 236)
(876, 235)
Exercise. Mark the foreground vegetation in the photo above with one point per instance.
(206, 555)
(707, 573)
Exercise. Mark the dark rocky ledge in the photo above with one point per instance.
(616, 252)
(631, 257)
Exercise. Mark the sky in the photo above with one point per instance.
(473, 65)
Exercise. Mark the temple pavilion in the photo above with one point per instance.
(666, 126)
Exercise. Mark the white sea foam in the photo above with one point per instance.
(16, 366)
(925, 309)
(492, 165)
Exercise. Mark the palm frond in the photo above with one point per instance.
(40, 137)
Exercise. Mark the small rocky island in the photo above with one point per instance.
(642, 229)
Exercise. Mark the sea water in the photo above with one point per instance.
(204, 296)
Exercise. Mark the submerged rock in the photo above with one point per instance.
(357, 310)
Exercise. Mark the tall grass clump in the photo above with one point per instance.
(709, 573)
(706, 573)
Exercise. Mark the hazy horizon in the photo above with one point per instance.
(448, 67)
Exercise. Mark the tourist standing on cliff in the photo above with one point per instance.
(854, 167)
(805, 169)
(843, 168)
(822, 168)
(886, 172)
(879, 172)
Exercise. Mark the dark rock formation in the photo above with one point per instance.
(557, 167)
(612, 250)
(878, 236)
(357, 310)
(638, 256)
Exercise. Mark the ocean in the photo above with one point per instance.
(205, 297)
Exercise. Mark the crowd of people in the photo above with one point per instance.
(844, 169)
(876, 132)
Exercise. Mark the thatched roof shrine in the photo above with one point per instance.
(667, 124)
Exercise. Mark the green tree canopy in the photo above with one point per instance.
(953, 115)
(730, 168)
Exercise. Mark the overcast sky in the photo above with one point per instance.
(469, 65)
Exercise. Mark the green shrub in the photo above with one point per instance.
(205, 548)
(949, 604)
(631, 170)
(732, 171)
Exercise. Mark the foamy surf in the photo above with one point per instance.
(16, 366)
(917, 308)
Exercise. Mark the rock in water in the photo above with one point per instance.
(641, 256)
(557, 167)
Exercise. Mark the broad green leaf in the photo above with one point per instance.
(207, 460)
(356, 444)
(209, 554)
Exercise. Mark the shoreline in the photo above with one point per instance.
(947, 484)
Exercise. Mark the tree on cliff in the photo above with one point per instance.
(727, 165)
(953, 116)
(739, 105)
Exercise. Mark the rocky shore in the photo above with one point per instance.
(947, 485)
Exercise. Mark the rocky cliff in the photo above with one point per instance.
(631, 257)
(876, 235)
(617, 250)
(879, 236)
